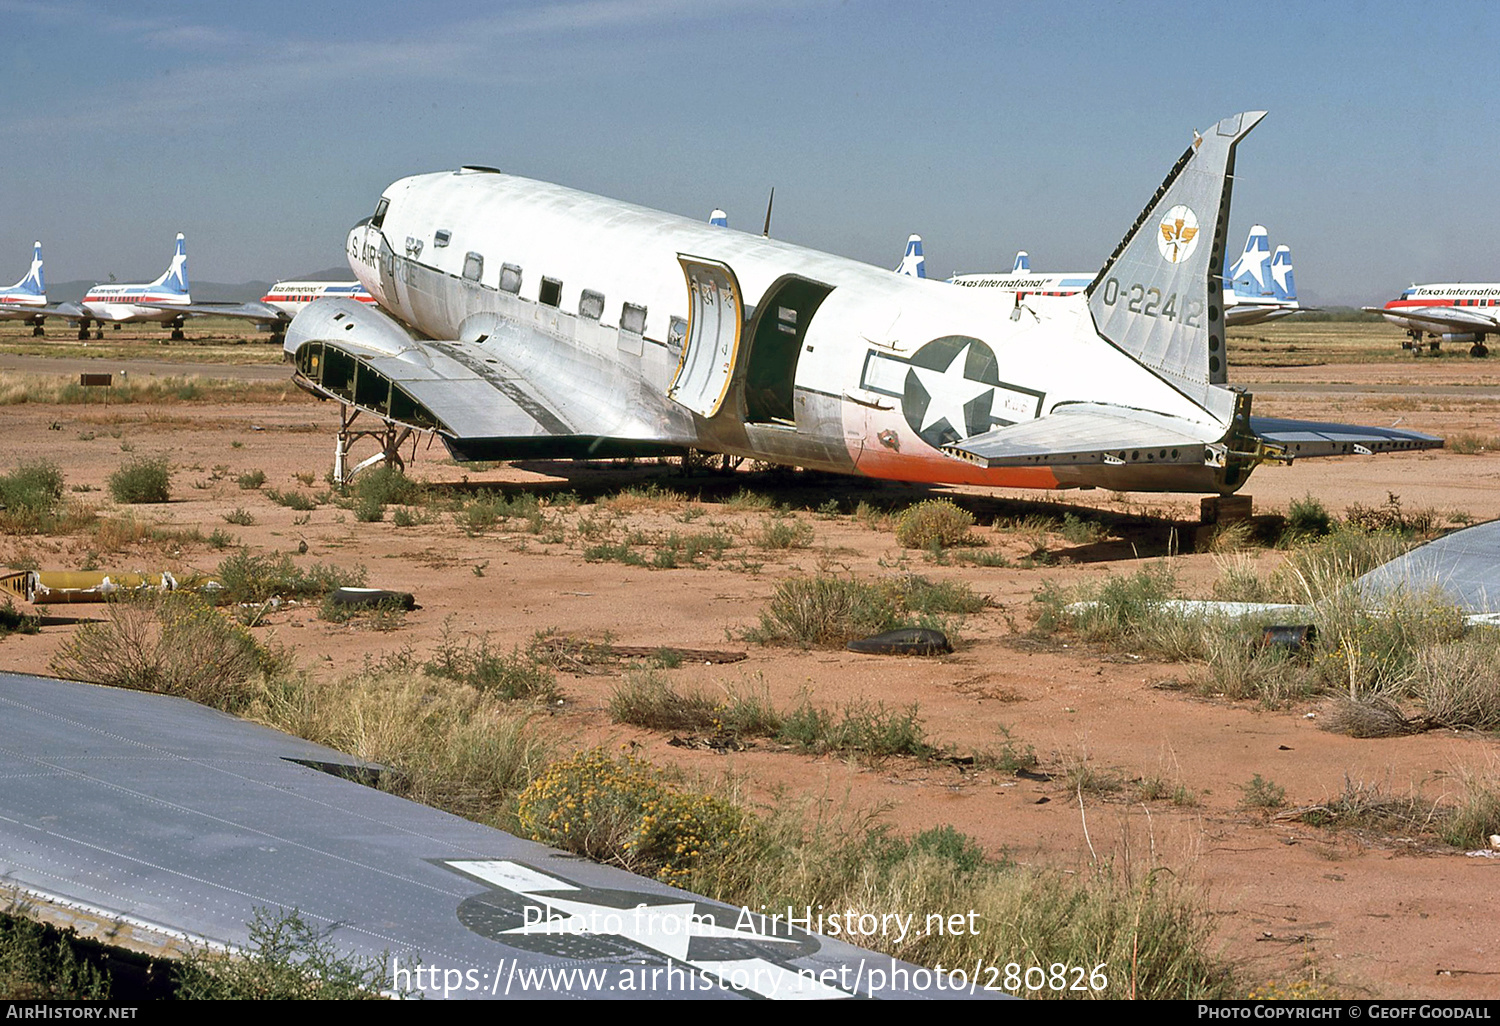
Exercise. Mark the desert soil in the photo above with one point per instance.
(1365, 914)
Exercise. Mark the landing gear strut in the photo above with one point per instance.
(389, 436)
(177, 335)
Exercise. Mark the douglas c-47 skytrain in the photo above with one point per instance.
(521, 319)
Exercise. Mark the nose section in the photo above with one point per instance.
(364, 253)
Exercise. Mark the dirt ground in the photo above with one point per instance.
(1364, 914)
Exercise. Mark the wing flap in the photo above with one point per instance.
(1083, 433)
(1302, 438)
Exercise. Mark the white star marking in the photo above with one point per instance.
(948, 392)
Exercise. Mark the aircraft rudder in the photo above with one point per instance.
(1282, 282)
(1022, 264)
(34, 282)
(913, 263)
(175, 278)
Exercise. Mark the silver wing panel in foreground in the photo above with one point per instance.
(170, 819)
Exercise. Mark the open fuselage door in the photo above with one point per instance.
(716, 318)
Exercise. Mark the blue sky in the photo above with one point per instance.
(265, 130)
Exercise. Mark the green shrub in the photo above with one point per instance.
(142, 480)
(1307, 517)
(514, 676)
(786, 534)
(934, 523)
(39, 963)
(174, 644)
(288, 959)
(30, 496)
(251, 479)
(246, 578)
(292, 499)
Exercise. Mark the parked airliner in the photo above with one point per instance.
(1452, 312)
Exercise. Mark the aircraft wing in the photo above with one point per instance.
(502, 396)
(17, 312)
(69, 311)
(263, 313)
(1441, 317)
(1080, 433)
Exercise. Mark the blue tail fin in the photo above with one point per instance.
(1023, 262)
(1250, 276)
(913, 263)
(175, 278)
(1281, 275)
(32, 284)
(718, 218)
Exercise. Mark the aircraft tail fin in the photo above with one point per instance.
(33, 283)
(1282, 283)
(1022, 264)
(718, 218)
(913, 263)
(175, 277)
(1159, 297)
(1251, 276)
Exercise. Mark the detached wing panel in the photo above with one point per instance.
(1092, 433)
(1303, 438)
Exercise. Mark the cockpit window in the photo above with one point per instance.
(378, 218)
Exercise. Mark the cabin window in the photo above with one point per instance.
(441, 237)
(510, 278)
(676, 332)
(633, 318)
(550, 294)
(378, 218)
(473, 266)
(591, 304)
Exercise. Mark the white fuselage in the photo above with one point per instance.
(292, 296)
(120, 303)
(888, 367)
(1479, 299)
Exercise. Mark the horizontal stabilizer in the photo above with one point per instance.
(1084, 433)
(1315, 438)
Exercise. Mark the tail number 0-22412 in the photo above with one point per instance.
(1149, 302)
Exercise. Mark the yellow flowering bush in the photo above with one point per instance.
(626, 811)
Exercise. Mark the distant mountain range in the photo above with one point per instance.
(204, 291)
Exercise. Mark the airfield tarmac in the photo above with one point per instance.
(1364, 914)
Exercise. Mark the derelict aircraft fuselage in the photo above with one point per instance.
(524, 319)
